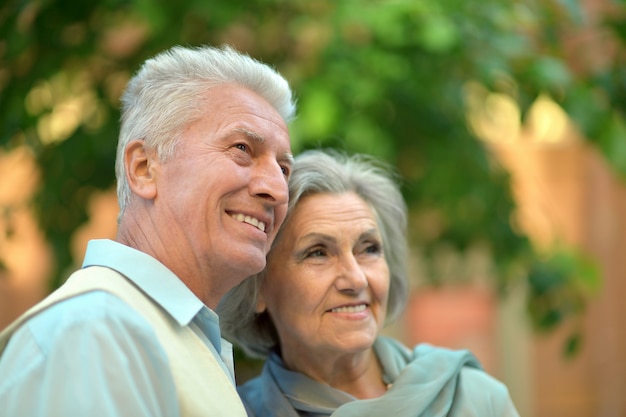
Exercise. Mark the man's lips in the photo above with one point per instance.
(244, 218)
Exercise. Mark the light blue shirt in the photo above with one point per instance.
(93, 355)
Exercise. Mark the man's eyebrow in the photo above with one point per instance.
(249, 133)
(287, 158)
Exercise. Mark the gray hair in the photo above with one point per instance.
(163, 98)
(316, 172)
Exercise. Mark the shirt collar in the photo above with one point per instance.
(154, 278)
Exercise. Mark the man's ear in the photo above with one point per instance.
(140, 166)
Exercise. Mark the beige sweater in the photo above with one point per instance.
(204, 389)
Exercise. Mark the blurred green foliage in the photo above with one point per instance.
(381, 77)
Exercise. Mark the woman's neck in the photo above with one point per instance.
(360, 374)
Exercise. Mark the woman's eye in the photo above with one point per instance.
(373, 248)
(315, 253)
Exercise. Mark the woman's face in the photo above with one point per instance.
(327, 278)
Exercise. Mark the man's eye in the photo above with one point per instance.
(286, 171)
(242, 147)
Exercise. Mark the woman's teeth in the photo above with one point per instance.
(350, 309)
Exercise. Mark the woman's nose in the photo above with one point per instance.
(351, 276)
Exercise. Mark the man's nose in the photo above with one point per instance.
(270, 183)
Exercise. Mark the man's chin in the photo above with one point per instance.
(253, 262)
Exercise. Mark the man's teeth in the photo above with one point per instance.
(350, 309)
(250, 220)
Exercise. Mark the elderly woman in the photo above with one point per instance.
(335, 276)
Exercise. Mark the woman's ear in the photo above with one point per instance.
(139, 163)
(260, 303)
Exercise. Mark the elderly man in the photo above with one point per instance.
(202, 166)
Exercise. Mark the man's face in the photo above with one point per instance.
(223, 195)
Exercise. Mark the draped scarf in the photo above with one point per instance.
(425, 383)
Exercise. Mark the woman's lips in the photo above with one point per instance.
(349, 309)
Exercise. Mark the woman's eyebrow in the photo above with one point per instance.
(371, 233)
(318, 237)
